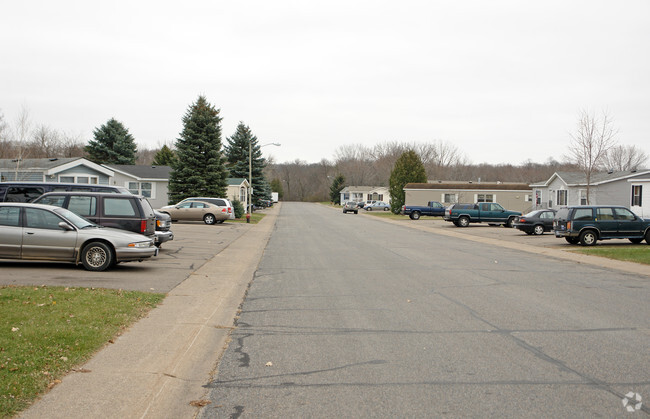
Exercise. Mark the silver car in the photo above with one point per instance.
(45, 232)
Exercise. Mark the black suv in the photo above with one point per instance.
(586, 224)
(126, 212)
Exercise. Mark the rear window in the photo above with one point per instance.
(23, 193)
(117, 207)
(583, 214)
(562, 214)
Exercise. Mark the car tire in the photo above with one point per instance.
(538, 230)
(344, 212)
(97, 256)
(510, 223)
(588, 238)
(209, 219)
(647, 237)
(636, 240)
(572, 240)
(385, 209)
(415, 215)
(463, 221)
(356, 212)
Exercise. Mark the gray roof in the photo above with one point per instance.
(46, 163)
(597, 178)
(142, 171)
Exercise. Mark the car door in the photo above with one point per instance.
(629, 225)
(487, 212)
(547, 219)
(43, 238)
(606, 222)
(11, 232)
(183, 211)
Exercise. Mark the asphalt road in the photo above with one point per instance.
(349, 316)
(193, 245)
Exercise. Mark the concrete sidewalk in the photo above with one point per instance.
(158, 368)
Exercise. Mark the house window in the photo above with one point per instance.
(242, 194)
(528, 198)
(637, 195)
(450, 198)
(485, 197)
(79, 179)
(582, 193)
(561, 197)
(140, 188)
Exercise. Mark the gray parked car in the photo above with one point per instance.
(350, 206)
(46, 232)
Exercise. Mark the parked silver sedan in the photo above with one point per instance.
(45, 232)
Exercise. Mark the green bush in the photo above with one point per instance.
(239, 208)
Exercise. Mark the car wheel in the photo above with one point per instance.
(647, 236)
(385, 208)
(356, 212)
(463, 222)
(636, 240)
(572, 240)
(510, 223)
(344, 212)
(209, 219)
(415, 215)
(97, 256)
(538, 230)
(588, 238)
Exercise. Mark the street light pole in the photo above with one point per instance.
(250, 176)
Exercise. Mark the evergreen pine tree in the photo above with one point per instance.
(408, 169)
(336, 187)
(113, 144)
(164, 157)
(198, 169)
(236, 152)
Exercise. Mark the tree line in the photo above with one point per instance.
(592, 147)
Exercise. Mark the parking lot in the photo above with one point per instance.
(193, 245)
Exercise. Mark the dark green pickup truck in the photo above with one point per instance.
(483, 212)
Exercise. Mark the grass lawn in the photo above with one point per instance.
(633, 253)
(45, 332)
(255, 218)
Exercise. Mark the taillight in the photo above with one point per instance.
(568, 225)
(143, 226)
(229, 210)
(522, 220)
(223, 210)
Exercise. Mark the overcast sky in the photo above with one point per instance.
(504, 81)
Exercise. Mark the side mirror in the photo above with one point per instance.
(65, 226)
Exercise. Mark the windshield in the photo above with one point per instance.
(77, 220)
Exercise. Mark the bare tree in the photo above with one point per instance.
(594, 137)
(45, 142)
(624, 157)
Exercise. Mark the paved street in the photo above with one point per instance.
(350, 316)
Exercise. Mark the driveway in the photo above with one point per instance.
(193, 245)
